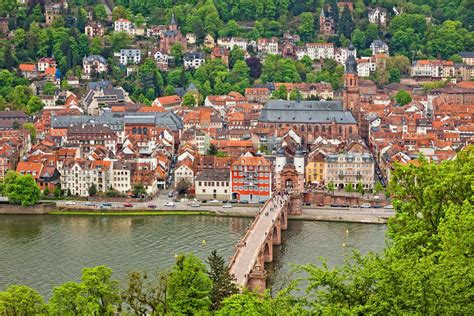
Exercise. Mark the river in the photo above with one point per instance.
(42, 251)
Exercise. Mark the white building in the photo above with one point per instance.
(45, 63)
(379, 47)
(366, 66)
(184, 172)
(124, 25)
(93, 64)
(320, 50)
(268, 46)
(194, 60)
(212, 184)
(230, 42)
(120, 177)
(435, 69)
(130, 56)
(378, 16)
(162, 60)
(78, 176)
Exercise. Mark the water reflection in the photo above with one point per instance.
(43, 251)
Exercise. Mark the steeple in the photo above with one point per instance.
(173, 20)
(351, 63)
(322, 13)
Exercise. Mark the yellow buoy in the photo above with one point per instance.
(203, 241)
(343, 244)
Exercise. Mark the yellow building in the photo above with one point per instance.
(315, 168)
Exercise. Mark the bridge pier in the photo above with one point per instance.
(276, 233)
(257, 279)
(268, 250)
(296, 204)
(284, 218)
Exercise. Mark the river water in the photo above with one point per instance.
(47, 250)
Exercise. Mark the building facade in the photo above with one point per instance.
(251, 179)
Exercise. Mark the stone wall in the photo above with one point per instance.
(39, 209)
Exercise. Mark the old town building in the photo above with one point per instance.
(251, 179)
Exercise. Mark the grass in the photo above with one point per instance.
(125, 213)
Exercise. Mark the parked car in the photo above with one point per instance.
(170, 194)
(106, 205)
(170, 204)
(204, 201)
(225, 201)
(213, 201)
(127, 205)
(365, 205)
(307, 204)
(344, 205)
(355, 206)
(377, 206)
(195, 204)
(320, 204)
(227, 206)
(234, 201)
(334, 205)
(90, 204)
(151, 206)
(245, 202)
(389, 206)
(70, 203)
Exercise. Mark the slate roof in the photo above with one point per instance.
(306, 112)
(116, 120)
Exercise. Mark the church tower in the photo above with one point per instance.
(173, 23)
(351, 93)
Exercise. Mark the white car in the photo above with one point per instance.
(70, 203)
(170, 204)
(365, 205)
(195, 204)
(213, 201)
(227, 206)
(390, 206)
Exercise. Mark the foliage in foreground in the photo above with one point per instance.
(426, 268)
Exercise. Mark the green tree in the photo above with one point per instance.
(21, 189)
(360, 188)
(359, 39)
(378, 187)
(235, 54)
(49, 88)
(306, 28)
(222, 282)
(57, 192)
(176, 52)
(403, 97)
(46, 191)
(30, 127)
(349, 188)
(346, 25)
(92, 190)
(189, 100)
(281, 93)
(21, 300)
(212, 151)
(394, 75)
(183, 186)
(169, 90)
(139, 190)
(189, 286)
(331, 187)
(100, 13)
(144, 294)
(34, 105)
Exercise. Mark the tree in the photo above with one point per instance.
(189, 100)
(394, 75)
(57, 192)
(46, 191)
(425, 269)
(331, 187)
(235, 54)
(255, 67)
(349, 188)
(281, 93)
(306, 28)
(222, 282)
(212, 151)
(49, 88)
(378, 188)
(144, 294)
(30, 127)
(360, 188)
(403, 97)
(21, 300)
(183, 186)
(100, 13)
(34, 105)
(189, 286)
(139, 190)
(176, 52)
(21, 189)
(359, 39)
(346, 25)
(92, 190)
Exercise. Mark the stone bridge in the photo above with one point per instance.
(256, 247)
